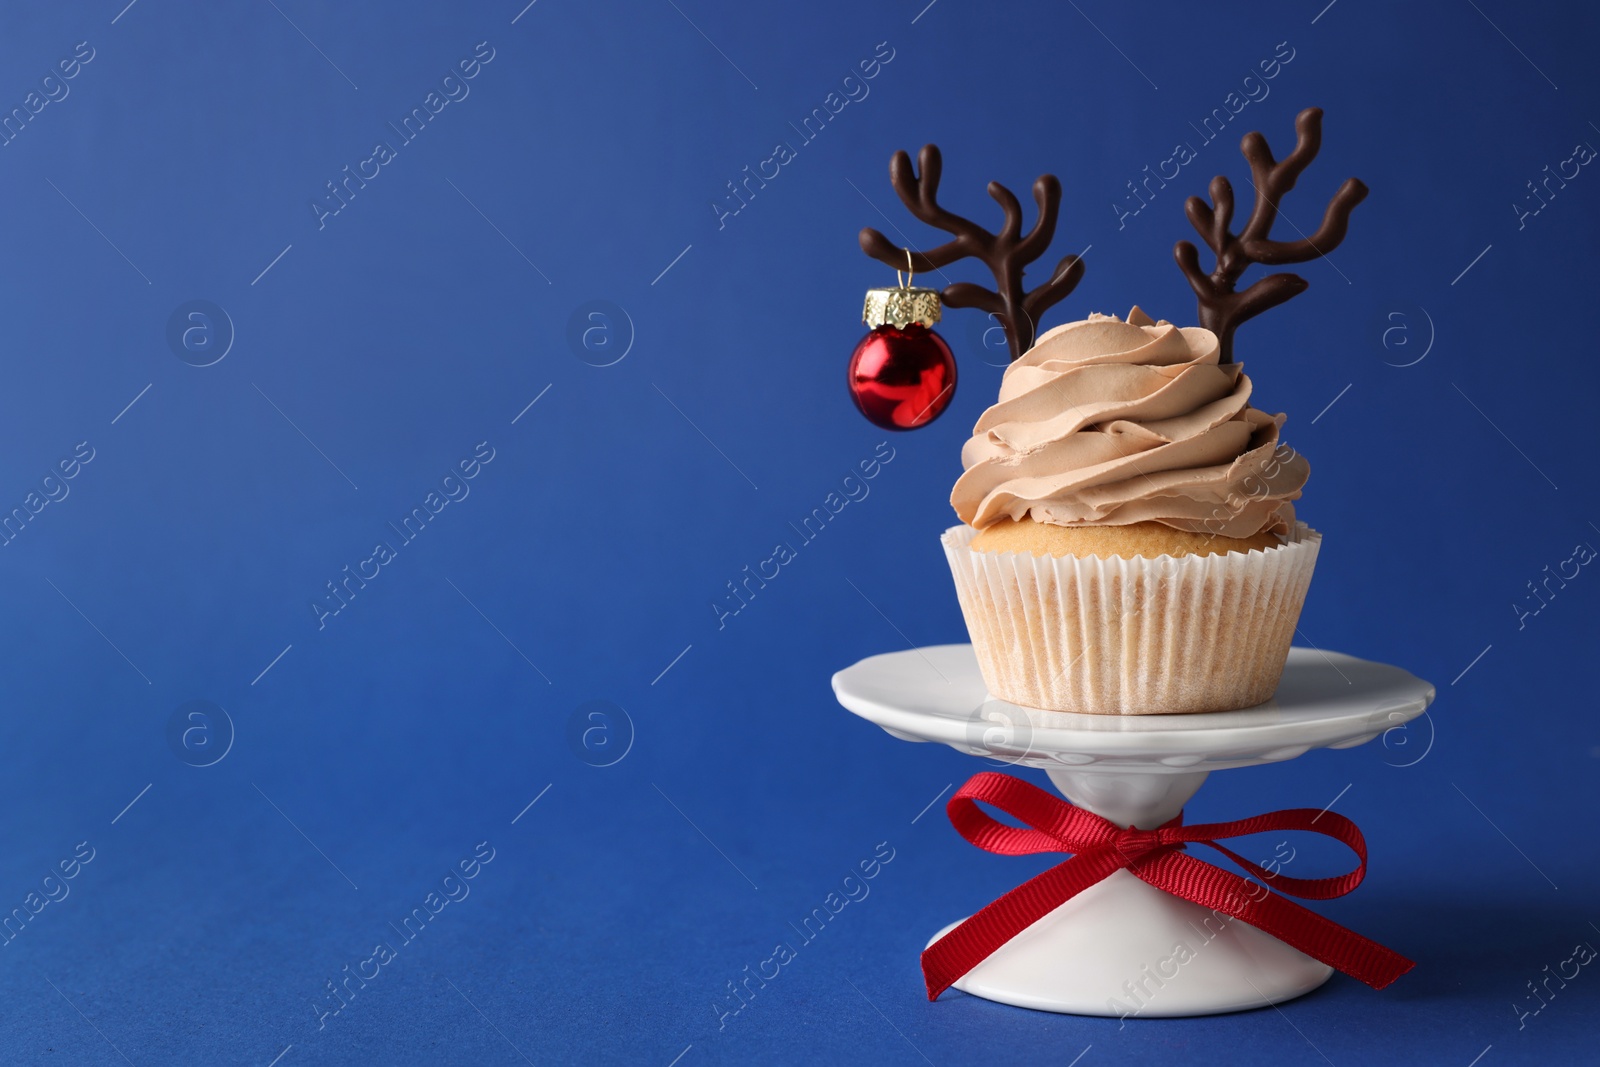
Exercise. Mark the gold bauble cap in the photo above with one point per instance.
(900, 306)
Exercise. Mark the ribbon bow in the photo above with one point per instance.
(1101, 847)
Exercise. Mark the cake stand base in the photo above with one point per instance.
(1125, 948)
(1122, 947)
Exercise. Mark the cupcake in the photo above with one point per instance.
(1128, 542)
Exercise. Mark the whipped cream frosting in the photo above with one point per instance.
(1105, 422)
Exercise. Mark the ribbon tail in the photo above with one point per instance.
(946, 960)
(1320, 938)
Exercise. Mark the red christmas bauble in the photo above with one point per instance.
(902, 377)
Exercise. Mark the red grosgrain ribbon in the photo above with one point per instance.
(1101, 847)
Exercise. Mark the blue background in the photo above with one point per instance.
(377, 350)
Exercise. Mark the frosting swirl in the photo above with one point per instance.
(1105, 422)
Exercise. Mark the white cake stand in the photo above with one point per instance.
(1113, 948)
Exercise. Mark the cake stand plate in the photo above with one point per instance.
(1122, 947)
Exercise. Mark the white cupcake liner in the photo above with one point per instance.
(1135, 636)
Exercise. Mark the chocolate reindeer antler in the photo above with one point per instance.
(1221, 308)
(1007, 253)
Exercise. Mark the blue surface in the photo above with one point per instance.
(376, 349)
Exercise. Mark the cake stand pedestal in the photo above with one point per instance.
(1122, 947)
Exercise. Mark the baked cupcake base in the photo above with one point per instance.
(1132, 636)
(1135, 539)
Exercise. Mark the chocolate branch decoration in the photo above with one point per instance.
(1222, 308)
(1007, 253)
